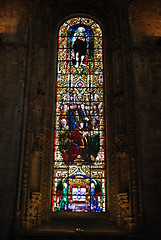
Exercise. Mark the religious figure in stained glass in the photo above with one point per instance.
(79, 168)
(79, 46)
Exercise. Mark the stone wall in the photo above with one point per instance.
(148, 86)
(145, 20)
(13, 51)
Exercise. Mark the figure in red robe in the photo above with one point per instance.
(79, 143)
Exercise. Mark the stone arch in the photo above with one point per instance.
(34, 187)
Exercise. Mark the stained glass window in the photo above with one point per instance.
(79, 166)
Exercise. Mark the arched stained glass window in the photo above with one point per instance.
(79, 166)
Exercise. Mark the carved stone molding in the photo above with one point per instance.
(134, 182)
(33, 210)
(123, 210)
(121, 142)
